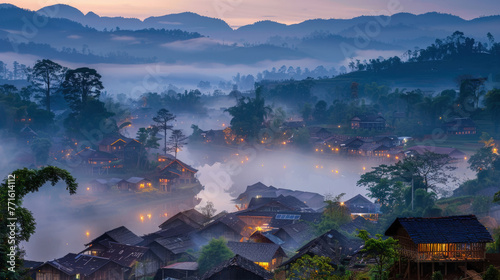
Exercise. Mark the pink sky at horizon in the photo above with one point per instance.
(241, 12)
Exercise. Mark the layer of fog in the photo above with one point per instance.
(135, 79)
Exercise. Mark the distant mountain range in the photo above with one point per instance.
(203, 39)
(405, 25)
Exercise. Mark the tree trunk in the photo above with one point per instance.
(165, 140)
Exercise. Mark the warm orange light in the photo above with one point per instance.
(142, 185)
(495, 150)
(88, 189)
(397, 157)
(149, 216)
(142, 218)
(165, 214)
(223, 125)
(336, 171)
(465, 158)
(364, 168)
(87, 233)
(388, 156)
(342, 203)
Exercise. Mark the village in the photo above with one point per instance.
(273, 230)
(388, 171)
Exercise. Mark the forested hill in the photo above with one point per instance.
(439, 66)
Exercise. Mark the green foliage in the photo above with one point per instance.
(301, 137)
(492, 102)
(248, 116)
(14, 108)
(384, 252)
(481, 205)
(26, 181)
(47, 76)
(90, 118)
(212, 254)
(313, 268)
(483, 159)
(437, 275)
(196, 135)
(391, 184)
(334, 215)
(495, 246)
(492, 273)
(80, 86)
(320, 113)
(306, 111)
(487, 165)
(189, 101)
(176, 141)
(162, 123)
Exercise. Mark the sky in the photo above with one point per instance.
(241, 12)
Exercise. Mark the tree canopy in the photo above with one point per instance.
(48, 75)
(249, 115)
(12, 190)
(212, 254)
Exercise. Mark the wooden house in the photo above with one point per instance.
(173, 173)
(259, 190)
(440, 243)
(369, 122)
(294, 235)
(331, 244)
(171, 249)
(361, 206)
(373, 150)
(83, 267)
(140, 261)
(237, 267)
(388, 141)
(460, 126)
(319, 132)
(356, 224)
(178, 270)
(97, 162)
(268, 255)
(120, 235)
(278, 204)
(351, 146)
(124, 148)
(134, 184)
(265, 237)
(229, 226)
(190, 217)
(98, 186)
